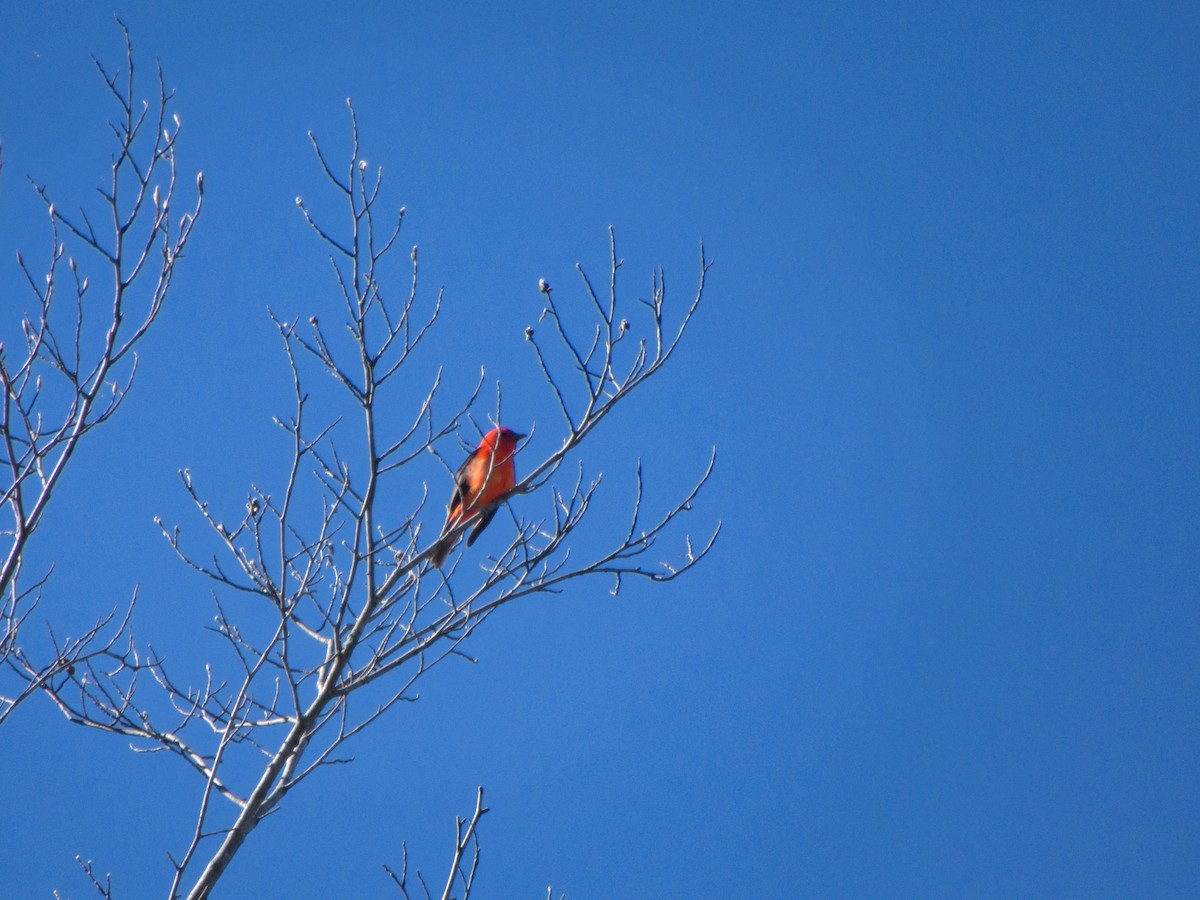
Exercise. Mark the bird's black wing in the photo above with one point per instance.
(459, 496)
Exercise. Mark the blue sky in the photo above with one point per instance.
(949, 641)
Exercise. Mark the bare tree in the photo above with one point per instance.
(346, 611)
(79, 357)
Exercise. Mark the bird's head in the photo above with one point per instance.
(502, 440)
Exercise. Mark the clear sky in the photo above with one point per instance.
(949, 641)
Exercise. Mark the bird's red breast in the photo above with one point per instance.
(487, 474)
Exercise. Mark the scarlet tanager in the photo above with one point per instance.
(483, 478)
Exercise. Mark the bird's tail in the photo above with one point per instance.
(442, 549)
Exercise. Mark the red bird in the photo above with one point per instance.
(485, 477)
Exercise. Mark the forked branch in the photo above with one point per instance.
(79, 358)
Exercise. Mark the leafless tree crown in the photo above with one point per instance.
(327, 610)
